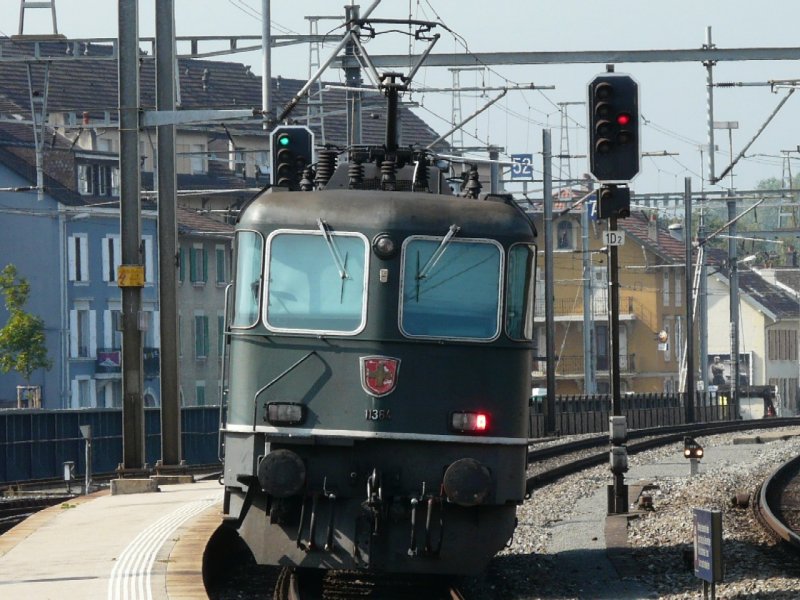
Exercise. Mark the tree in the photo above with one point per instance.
(22, 339)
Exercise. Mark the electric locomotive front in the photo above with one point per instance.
(380, 357)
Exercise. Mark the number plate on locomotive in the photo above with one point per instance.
(373, 414)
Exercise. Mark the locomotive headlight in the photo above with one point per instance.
(285, 413)
(384, 246)
(469, 422)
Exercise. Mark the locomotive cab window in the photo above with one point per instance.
(316, 281)
(451, 288)
(520, 292)
(249, 250)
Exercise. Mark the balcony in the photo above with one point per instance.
(572, 309)
(572, 366)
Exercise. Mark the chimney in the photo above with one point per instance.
(676, 231)
(652, 227)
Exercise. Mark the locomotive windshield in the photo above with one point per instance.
(520, 292)
(455, 295)
(316, 281)
(249, 250)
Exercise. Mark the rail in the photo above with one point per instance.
(776, 496)
(648, 439)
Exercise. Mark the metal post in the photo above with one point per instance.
(589, 385)
(734, 304)
(168, 255)
(353, 79)
(688, 282)
(703, 304)
(266, 54)
(130, 230)
(550, 333)
(87, 482)
(86, 433)
(620, 490)
(494, 170)
(710, 107)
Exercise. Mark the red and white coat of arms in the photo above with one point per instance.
(379, 374)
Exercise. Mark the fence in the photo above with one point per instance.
(34, 444)
(589, 414)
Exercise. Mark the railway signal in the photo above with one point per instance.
(693, 451)
(614, 127)
(292, 148)
(613, 201)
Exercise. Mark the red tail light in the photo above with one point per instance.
(469, 422)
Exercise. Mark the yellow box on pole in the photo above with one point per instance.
(130, 276)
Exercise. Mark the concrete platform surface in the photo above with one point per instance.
(104, 546)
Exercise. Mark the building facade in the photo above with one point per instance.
(651, 293)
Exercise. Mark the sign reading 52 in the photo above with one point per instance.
(522, 167)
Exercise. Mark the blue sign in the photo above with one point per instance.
(591, 206)
(707, 525)
(522, 169)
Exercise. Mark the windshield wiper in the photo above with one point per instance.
(454, 229)
(337, 259)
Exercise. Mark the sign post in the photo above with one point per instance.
(707, 527)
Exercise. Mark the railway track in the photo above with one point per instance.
(777, 503)
(303, 584)
(647, 440)
(15, 510)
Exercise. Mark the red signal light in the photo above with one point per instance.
(481, 422)
(623, 119)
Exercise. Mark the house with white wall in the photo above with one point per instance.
(769, 325)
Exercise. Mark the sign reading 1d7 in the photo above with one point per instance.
(522, 167)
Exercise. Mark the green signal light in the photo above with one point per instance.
(284, 139)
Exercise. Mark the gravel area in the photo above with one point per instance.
(537, 565)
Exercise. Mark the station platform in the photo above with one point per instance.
(145, 546)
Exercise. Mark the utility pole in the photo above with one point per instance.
(550, 333)
(589, 381)
(168, 255)
(734, 303)
(688, 283)
(709, 65)
(131, 273)
(703, 299)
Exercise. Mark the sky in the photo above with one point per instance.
(672, 96)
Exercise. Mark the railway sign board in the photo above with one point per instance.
(614, 238)
(707, 526)
(522, 167)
